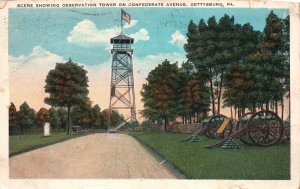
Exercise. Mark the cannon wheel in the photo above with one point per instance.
(242, 124)
(214, 123)
(265, 128)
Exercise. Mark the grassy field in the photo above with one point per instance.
(196, 162)
(23, 143)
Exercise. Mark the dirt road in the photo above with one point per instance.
(93, 156)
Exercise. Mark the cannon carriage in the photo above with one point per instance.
(263, 128)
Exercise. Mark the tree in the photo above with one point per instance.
(67, 86)
(42, 116)
(12, 118)
(192, 92)
(224, 55)
(219, 51)
(25, 117)
(63, 118)
(159, 95)
(83, 114)
(54, 118)
(184, 76)
(273, 67)
(272, 64)
(97, 116)
(240, 78)
(200, 48)
(12, 114)
(208, 49)
(286, 52)
(261, 76)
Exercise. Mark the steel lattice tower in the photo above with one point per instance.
(122, 97)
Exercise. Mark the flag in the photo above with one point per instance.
(125, 16)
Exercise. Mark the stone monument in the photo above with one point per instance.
(47, 129)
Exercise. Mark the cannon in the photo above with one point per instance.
(210, 127)
(263, 128)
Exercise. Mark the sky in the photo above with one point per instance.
(39, 38)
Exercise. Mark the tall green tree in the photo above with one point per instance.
(217, 50)
(271, 61)
(224, 54)
(67, 86)
(200, 48)
(240, 77)
(271, 49)
(210, 48)
(159, 94)
(261, 76)
(25, 117)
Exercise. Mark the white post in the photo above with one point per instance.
(46, 129)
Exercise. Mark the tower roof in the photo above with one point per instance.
(121, 38)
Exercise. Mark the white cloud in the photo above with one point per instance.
(178, 39)
(141, 35)
(40, 58)
(27, 74)
(86, 34)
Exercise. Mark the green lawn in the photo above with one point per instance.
(196, 162)
(23, 143)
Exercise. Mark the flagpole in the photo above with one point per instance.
(121, 22)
